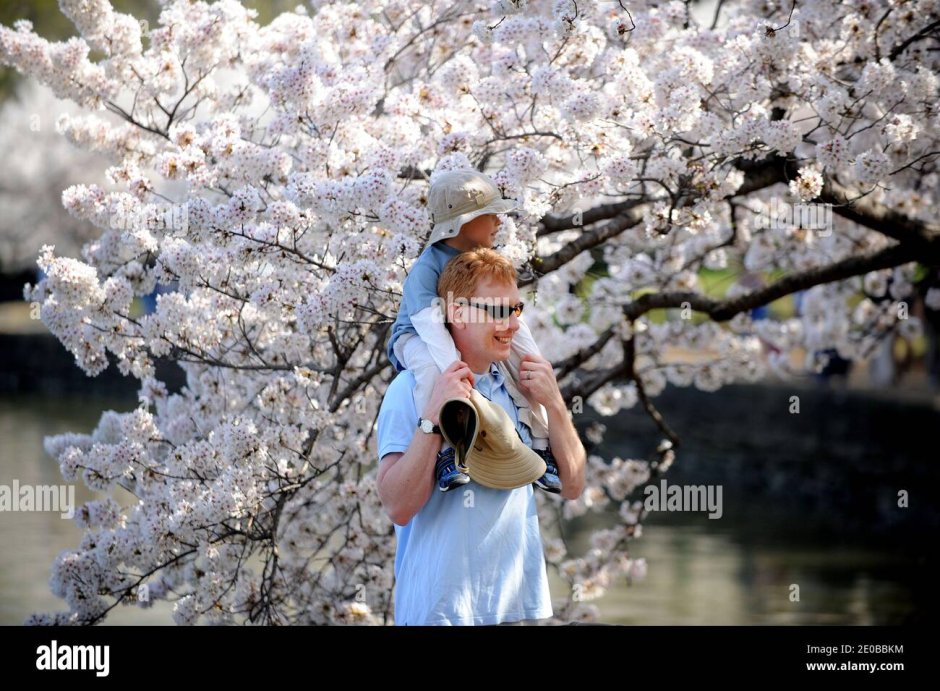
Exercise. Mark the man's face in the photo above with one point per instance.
(481, 334)
(481, 231)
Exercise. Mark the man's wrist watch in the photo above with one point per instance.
(428, 427)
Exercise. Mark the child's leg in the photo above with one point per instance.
(530, 412)
(416, 357)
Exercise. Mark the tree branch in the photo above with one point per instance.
(629, 358)
(722, 310)
(881, 218)
(923, 33)
(585, 241)
(568, 365)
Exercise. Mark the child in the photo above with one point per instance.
(463, 205)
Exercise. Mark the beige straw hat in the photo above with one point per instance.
(486, 444)
(458, 196)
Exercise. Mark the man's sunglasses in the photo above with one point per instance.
(500, 312)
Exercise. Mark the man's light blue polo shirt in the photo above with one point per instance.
(473, 555)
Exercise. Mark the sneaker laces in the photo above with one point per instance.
(445, 458)
(550, 465)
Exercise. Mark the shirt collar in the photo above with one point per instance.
(494, 372)
(442, 246)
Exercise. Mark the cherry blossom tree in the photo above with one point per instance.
(30, 190)
(644, 144)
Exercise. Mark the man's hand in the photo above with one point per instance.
(455, 382)
(537, 381)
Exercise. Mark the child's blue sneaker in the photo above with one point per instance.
(448, 477)
(550, 482)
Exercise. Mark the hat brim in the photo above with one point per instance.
(518, 470)
(449, 229)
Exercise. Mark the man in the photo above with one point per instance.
(472, 556)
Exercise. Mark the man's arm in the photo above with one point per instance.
(406, 480)
(537, 378)
(567, 448)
